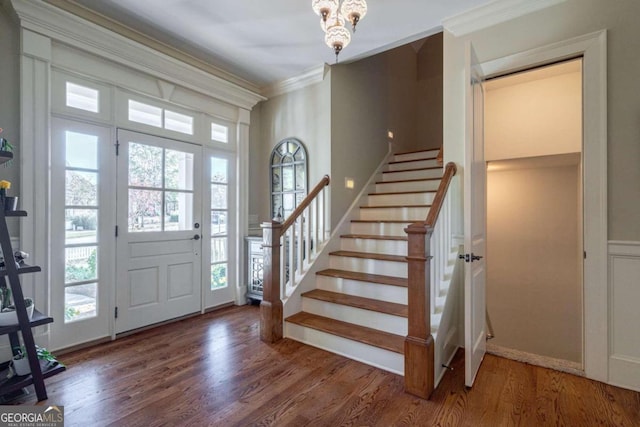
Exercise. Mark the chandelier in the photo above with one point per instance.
(334, 14)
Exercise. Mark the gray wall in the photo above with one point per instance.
(10, 101)
(429, 95)
(534, 292)
(304, 114)
(563, 21)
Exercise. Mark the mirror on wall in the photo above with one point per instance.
(288, 177)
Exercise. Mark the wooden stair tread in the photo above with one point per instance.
(416, 169)
(390, 221)
(415, 151)
(359, 302)
(370, 255)
(412, 160)
(408, 180)
(364, 277)
(394, 206)
(403, 192)
(350, 331)
(374, 237)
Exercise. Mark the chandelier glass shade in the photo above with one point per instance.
(334, 14)
(325, 8)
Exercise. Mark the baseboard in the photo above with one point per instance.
(537, 360)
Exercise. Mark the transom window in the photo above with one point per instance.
(288, 177)
(158, 117)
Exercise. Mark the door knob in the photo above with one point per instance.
(196, 237)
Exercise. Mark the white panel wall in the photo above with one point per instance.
(624, 300)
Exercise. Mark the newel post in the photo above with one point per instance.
(271, 305)
(418, 345)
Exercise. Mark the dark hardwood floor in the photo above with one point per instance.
(213, 370)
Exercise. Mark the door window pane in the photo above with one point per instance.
(145, 165)
(219, 170)
(80, 302)
(218, 249)
(218, 196)
(145, 208)
(178, 211)
(81, 188)
(81, 264)
(218, 276)
(81, 150)
(218, 223)
(81, 226)
(178, 170)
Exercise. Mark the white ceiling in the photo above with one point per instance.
(266, 41)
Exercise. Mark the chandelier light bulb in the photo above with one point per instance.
(325, 8)
(354, 11)
(337, 38)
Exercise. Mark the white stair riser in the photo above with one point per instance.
(415, 156)
(368, 318)
(418, 164)
(389, 247)
(379, 228)
(389, 293)
(371, 355)
(393, 187)
(396, 214)
(419, 174)
(400, 199)
(366, 265)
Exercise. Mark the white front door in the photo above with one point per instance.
(219, 245)
(159, 241)
(475, 201)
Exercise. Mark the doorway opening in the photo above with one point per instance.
(535, 240)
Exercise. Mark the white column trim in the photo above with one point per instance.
(243, 203)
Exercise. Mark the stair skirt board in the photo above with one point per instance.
(367, 265)
(400, 186)
(415, 155)
(400, 199)
(412, 164)
(390, 293)
(358, 316)
(416, 174)
(390, 247)
(365, 353)
(380, 228)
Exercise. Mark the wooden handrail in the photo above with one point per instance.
(419, 369)
(306, 202)
(449, 171)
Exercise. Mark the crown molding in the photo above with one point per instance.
(493, 13)
(309, 77)
(72, 30)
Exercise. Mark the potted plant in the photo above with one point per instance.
(20, 361)
(10, 202)
(6, 146)
(8, 315)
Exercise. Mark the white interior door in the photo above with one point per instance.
(159, 238)
(220, 231)
(475, 201)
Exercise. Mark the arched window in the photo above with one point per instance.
(288, 177)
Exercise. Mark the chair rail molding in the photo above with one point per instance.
(65, 27)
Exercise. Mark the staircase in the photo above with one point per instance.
(359, 306)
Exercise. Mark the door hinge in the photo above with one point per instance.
(116, 231)
(585, 254)
(117, 148)
(116, 313)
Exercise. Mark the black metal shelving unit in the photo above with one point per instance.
(11, 277)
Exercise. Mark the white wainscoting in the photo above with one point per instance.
(624, 314)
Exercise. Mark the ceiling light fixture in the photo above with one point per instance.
(333, 15)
